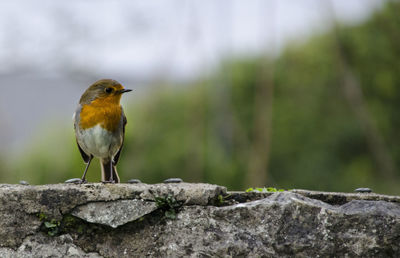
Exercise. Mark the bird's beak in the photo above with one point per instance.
(125, 90)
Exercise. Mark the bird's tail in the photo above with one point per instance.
(106, 173)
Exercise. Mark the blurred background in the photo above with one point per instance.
(289, 94)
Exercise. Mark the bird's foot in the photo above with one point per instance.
(108, 182)
(75, 181)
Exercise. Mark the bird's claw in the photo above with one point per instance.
(108, 182)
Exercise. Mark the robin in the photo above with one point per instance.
(99, 123)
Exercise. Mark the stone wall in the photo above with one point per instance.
(180, 219)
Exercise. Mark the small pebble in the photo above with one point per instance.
(363, 190)
(73, 181)
(173, 180)
(134, 181)
(22, 182)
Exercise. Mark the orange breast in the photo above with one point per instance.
(106, 112)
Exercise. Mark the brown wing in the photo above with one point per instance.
(124, 121)
(85, 157)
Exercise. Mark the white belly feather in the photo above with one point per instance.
(99, 142)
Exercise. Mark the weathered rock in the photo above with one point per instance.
(115, 213)
(21, 206)
(211, 222)
(41, 245)
(342, 198)
(284, 224)
(134, 181)
(173, 180)
(363, 190)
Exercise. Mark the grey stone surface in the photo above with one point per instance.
(363, 190)
(41, 245)
(114, 213)
(342, 198)
(20, 205)
(284, 224)
(134, 181)
(211, 222)
(173, 180)
(23, 182)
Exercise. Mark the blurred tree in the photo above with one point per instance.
(341, 65)
(354, 95)
(261, 132)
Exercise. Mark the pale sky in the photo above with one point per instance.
(142, 37)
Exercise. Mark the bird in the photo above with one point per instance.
(99, 123)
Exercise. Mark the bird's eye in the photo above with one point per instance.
(109, 90)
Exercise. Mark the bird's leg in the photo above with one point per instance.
(108, 178)
(83, 180)
(111, 172)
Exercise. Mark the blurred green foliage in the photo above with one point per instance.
(203, 131)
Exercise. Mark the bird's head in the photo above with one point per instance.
(103, 90)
